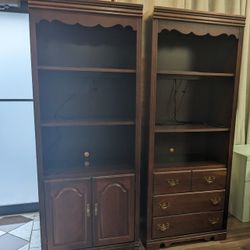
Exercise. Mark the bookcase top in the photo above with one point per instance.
(198, 16)
(89, 6)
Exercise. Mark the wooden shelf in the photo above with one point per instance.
(173, 166)
(86, 69)
(81, 171)
(194, 73)
(188, 128)
(87, 123)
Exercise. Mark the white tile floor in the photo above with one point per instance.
(20, 232)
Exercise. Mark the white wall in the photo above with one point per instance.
(18, 180)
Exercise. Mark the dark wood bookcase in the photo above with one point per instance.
(86, 60)
(194, 85)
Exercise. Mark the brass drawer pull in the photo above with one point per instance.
(173, 182)
(214, 221)
(163, 227)
(88, 210)
(210, 179)
(164, 205)
(86, 154)
(96, 209)
(215, 201)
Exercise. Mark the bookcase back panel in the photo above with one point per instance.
(78, 96)
(64, 147)
(191, 147)
(194, 100)
(177, 51)
(78, 46)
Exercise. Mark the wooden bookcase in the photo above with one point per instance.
(86, 60)
(194, 84)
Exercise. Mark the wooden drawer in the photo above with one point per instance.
(173, 204)
(172, 182)
(203, 180)
(186, 224)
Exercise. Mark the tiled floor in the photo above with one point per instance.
(20, 232)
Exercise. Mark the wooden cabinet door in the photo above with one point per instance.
(114, 207)
(68, 214)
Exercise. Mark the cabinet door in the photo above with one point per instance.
(68, 214)
(114, 207)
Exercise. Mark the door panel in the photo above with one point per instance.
(114, 209)
(68, 214)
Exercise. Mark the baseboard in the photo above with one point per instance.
(19, 209)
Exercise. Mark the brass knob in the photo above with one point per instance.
(214, 221)
(163, 227)
(173, 182)
(86, 164)
(164, 205)
(210, 179)
(216, 200)
(171, 150)
(86, 154)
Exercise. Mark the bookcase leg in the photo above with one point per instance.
(220, 237)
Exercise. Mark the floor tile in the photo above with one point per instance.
(35, 239)
(37, 217)
(17, 219)
(10, 223)
(36, 225)
(11, 242)
(2, 233)
(7, 228)
(29, 215)
(23, 231)
(26, 247)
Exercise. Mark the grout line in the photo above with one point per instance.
(31, 232)
(17, 237)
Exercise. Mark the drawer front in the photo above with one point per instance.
(173, 204)
(203, 180)
(172, 182)
(186, 224)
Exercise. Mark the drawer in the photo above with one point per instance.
(173, 204)
(208, 179)
(172, 182)
(186, 224)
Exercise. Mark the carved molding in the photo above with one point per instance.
(198, 29)
(55, 209)
(123, 191)
(117, 185)
(83, 19)
(74, 190)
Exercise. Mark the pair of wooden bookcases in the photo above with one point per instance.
(87, 74)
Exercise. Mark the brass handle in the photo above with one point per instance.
(210, 179)
(86, 154)
(214, 221)
(216, 200)
(96, 209)
(88, 210)
(164, 205)
(173, 182)
(163, 227)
